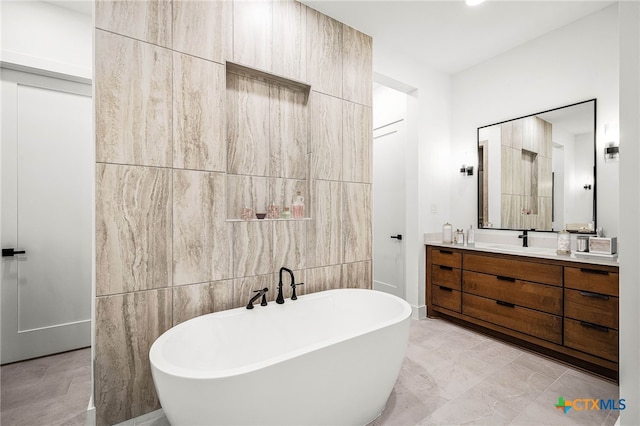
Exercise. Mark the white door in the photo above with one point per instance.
(46, 160)
(388, 209)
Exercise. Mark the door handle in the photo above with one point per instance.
(397, 237)
(11, 251)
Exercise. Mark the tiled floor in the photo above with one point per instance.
(450, 376)
(47, 391)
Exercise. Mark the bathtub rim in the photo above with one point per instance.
(160, 363)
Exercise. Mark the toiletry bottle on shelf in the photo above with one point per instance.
(286, 214)
(447, 233)
(273, 212)
(298, 206)
(471, 238)
(459, 236)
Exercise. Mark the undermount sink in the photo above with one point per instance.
(517, 249)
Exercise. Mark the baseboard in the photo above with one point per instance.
(418, 312)
(91, 413)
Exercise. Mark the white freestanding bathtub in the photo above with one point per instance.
(328, 358)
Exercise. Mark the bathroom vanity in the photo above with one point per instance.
(560, 306)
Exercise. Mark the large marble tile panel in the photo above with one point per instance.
(324, 278)
(133, 228)
(201, 237)
(247, 191)
(326, 137)
(203, 28)
(357, 66)
(282, 192)
(288, 133)
(357, 222)
(252, 33)
(148, 21)
(289, 244)
(458, 375)
(324, 53)
(247, 126)
(190, 301)
(290, 45)
(324, 231)
(357, 140)
(133, 101)
(198, 114)
(545, 177)
(252, 248)
(126, 326)
(357, 275)
(405, 408)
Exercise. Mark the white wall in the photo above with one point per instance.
(427, 154)
(44, 36)
(574, 63)
(629, 210)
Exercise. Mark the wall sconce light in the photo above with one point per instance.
(611, 152)
(466, 170)
(587, 187)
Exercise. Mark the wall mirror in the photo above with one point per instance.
(538, 171)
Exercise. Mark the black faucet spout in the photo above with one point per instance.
(525, 238)
(280, 298)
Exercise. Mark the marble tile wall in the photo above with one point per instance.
(182, 144)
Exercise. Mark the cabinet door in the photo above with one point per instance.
(591, 338)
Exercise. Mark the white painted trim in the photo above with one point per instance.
(418, 312)
(21, 62)
(91, 413)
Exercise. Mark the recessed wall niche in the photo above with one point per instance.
(267, 141)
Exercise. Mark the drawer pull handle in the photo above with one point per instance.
(507, 304)
(501, 278)
(593, 271)
(445, 252)
(594, 326)
(594, 295)
(446, 268)
(445, 288)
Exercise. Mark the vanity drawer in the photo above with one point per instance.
(446, 258)
(512, 268)
(446, 298)
(593, 280)
(523, 293)
(446, 276)
(539, 324)
(593, 339)
(591, 307)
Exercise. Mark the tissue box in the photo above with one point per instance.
(603, 245)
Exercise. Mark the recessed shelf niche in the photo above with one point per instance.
(268, 152)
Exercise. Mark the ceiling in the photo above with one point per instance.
(446, 35)
(449, 35)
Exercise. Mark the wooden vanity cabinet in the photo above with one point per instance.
(560, 308)
(446, 279)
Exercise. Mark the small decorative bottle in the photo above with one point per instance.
(459, 236)
(286, 214)
(447, 233)
(471, 238)
(273, 212)
(298, 206)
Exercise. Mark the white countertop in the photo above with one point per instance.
(539, 252)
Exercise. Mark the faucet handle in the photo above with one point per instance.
(293, 294)
(263, 292)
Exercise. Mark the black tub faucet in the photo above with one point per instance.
(260, 293)
(280, 298)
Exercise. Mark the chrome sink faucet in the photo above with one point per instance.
(280, 298)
